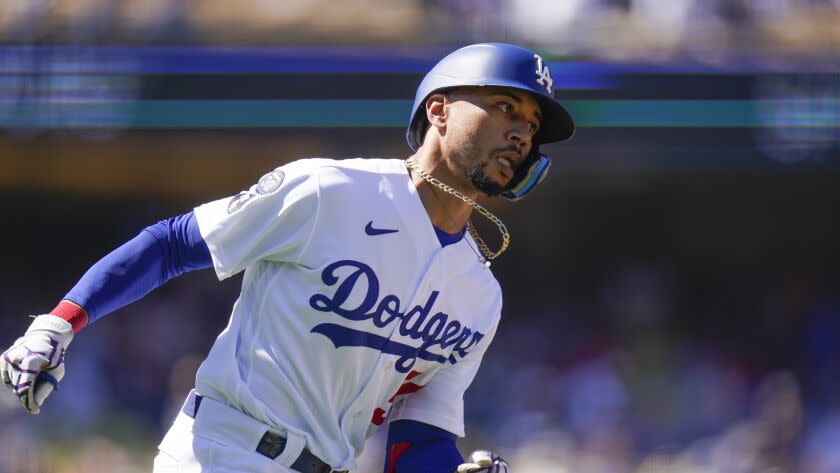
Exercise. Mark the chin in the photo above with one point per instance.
(484, 183)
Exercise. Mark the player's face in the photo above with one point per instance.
(489, 134)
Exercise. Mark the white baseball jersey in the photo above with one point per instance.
(349, 307)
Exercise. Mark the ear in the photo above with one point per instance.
(436, 109)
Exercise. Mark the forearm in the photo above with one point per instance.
(159, 253)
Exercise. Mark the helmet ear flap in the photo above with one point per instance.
(532, 171)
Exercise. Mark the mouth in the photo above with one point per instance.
(507, 162)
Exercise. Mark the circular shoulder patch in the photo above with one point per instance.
(238, 201)
(270, 182)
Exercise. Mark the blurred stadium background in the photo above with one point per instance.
(672, 298)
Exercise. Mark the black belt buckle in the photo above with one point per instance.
(271, 445)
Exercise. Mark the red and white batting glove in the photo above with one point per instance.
(482, 461)
(34, 365)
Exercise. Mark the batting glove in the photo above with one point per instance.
(482, 461)
(34, 365)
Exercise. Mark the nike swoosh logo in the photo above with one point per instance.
(377, 231)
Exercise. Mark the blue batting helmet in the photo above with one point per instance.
(502, 65)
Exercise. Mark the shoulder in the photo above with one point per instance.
(357, 174)
(479, 301)
(485, 280)
(354, 167)
(491, 290)
(494, 290)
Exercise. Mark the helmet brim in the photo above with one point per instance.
(557, 123)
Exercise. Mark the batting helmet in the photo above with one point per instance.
(502, 65)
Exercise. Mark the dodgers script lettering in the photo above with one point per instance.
(434, 329)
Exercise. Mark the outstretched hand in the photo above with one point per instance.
(34, 365)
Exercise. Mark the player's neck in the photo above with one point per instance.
(446, 212)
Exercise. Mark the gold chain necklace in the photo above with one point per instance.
(475, 250)
(485, 250)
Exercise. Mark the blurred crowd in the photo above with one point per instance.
(616, 29)
(642, 392)
(629, 381)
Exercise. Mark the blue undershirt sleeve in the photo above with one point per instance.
(159, 253)
(425, 449)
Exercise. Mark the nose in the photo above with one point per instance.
(520, 136)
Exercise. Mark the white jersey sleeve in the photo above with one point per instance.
(273, 220)
(441, 401)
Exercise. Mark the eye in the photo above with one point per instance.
(505, 107)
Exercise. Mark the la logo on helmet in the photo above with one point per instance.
(543, 74)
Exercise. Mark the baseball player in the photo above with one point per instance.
(367, 296)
